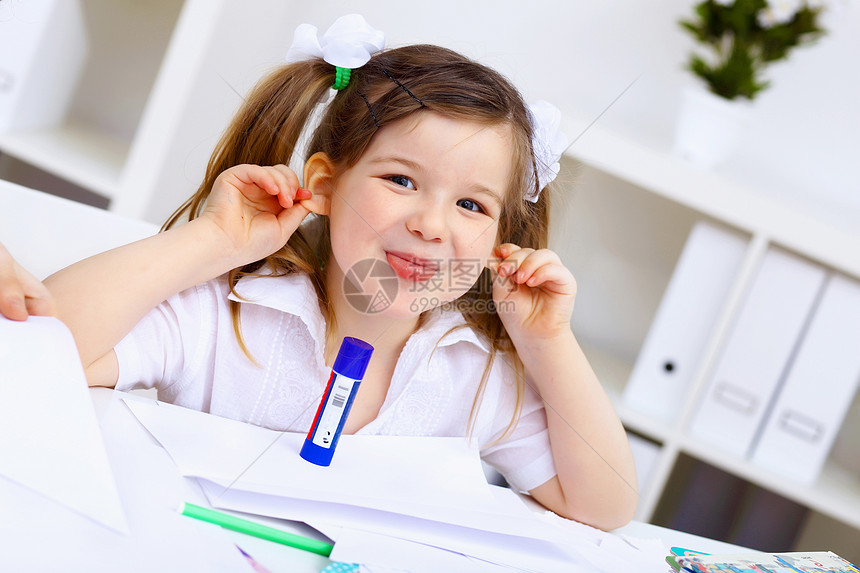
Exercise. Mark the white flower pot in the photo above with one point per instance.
(709, 127)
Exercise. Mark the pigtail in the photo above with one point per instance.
(266, 131)
(266, 128)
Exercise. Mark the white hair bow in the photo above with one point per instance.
(548, 142)
(348, 43)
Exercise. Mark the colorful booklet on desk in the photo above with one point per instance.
(795, 562)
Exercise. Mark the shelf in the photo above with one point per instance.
(90, 143)
(836, 493)
(717, 196)
(73, 151)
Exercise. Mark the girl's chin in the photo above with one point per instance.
(405, 308)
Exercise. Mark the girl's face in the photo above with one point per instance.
(419, 211)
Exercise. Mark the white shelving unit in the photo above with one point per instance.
(74, 152)
(621, 183)
(131, 98)
(163, 77)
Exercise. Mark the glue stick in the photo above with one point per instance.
(346, 375)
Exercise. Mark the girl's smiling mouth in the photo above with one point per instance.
(410, 267)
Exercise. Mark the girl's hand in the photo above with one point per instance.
(21, 294)
(534, 293)
(257, 208)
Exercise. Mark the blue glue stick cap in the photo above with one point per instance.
(353, 358)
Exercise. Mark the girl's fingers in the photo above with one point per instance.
(519, 263)
(288, 189)
(278, 181)
(298, 193)
(554, 278)
(506, 249)
(251, 181)
(273, 184)
(12, 303)
(11, 290)
(286, 182)
(40, 306)
(21, 294)
(291, 180)
(534, 261)
(534, 268)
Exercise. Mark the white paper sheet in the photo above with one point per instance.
(520, 552)
(426, 490)
(438, 479)
(373, 550)
(50, 441)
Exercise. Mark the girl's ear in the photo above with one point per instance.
(319, 178)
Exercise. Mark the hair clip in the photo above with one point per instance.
(369, 108)
(401, 86)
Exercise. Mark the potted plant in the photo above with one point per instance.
(740, 39)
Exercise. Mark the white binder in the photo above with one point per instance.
(675, 343)
(818, 390)
(757, 351)
(43, 46)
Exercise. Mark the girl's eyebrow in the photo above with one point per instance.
(396, 159)
(481, 190)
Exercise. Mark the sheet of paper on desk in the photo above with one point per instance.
(356, 546)
(438, 479)
(581, 549)
(51, 442)
(385, 471)
(520, 552)
(428, 490)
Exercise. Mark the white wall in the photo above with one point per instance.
(803, 143)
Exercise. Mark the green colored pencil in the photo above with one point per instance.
(234, 523)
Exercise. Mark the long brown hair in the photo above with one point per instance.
(392, 85)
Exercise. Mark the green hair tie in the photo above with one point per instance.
(341, 78)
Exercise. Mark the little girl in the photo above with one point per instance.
(426, 238)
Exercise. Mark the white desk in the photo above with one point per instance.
(45, 233)
(151, 491)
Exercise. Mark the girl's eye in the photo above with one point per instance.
(470, 205)
(402, 180)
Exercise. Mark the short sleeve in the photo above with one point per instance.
(523, 456)
(159, 349)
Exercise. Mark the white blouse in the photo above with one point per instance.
(186, 348)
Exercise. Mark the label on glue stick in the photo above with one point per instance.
(334, 409)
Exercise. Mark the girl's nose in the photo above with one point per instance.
(428, 221)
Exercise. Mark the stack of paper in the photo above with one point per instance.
(383, 497)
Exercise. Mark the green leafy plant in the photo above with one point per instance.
(742, 37)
